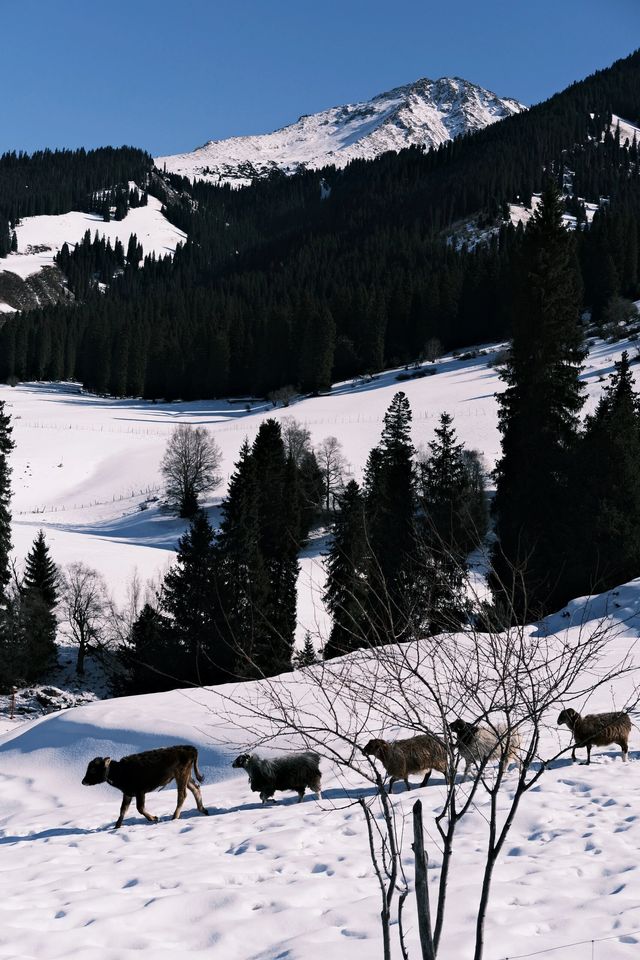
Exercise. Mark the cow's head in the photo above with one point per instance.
(96, 771)
(242, 760)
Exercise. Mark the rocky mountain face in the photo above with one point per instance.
(425, 113)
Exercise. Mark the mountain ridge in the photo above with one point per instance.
(424, 112)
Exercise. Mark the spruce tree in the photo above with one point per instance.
(150, 654)
(41, 573)
(6, 446)
(390, 526)
(346, 593)
(279, 538)
(538, 417)
(607, 483)
(240, 575)
(306, 656)
(39, 596)
(444, 484)
(188, 599)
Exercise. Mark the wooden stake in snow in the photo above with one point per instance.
(422, 889)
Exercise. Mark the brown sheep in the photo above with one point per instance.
(400, 758)
(140, 773)
(597, 730)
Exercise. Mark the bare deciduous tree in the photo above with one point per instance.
(512, 681)
(296, 439)
(333, 465)
(85, 604)
(190, 466)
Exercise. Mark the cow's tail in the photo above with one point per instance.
(200, 776)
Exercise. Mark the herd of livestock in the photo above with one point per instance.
(140, 773)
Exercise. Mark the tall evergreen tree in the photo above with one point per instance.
(538, 417)
(346, 593)
(188, 599)
(390, 526)
(240, 574)
(279, 536)
(607, 485)
(6, 446)
(444, 484)
(39, 596)
(41, 573)
(149, 654)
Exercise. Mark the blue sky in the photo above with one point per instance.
(168, 76)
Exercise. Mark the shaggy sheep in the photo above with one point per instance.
(297, 771)
(597, 730)
(477, 744)
(400, 758)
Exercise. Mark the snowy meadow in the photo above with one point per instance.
(254, 882)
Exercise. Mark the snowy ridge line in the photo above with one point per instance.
(573, 943)
(425, 113)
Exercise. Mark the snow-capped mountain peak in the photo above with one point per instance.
(425, 112)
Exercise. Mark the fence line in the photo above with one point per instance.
(574, 943)
(94, 503)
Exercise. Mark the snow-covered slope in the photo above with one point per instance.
(427, 112)
(628, 131)
(294, 881)
(84, 465)
(40, 238)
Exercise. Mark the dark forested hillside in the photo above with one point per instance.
(301, 280)
(57, 181)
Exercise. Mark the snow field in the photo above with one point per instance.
(83, 465)
(40, 238)
(288, 880)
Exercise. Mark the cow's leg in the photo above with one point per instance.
(182, 796)
(140, 805)
(195, 790)
(123, 811)
(300, 795)
(425, 780)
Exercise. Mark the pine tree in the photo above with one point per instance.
(346, 593)
(444, 484)
(150, 654)
(306, 656)
(607, 483)
(38, 597)
(188, 599)
(240, 574)
(538, 417)
(41, 573)
(390, 526)
(6, 446)
(279, 543)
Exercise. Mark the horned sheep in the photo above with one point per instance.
(296, 771)
(402, 758)
(597, 730)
